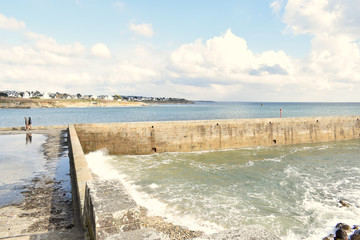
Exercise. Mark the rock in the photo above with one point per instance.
(330, 237)
(356, 227)
(340, 225)
(346, 227)
(355, 235)
(341, 235)
(344, 203)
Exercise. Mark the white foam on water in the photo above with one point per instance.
(249, 164)
(321, 205)
(327, 216)
(272, 159)
(154, 186)
(99, 163)
(316, 210)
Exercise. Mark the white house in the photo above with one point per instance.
(45, 96)
(108, 97)
(26, 94)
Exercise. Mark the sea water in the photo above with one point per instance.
(171, 112)
(293, 191)
(21, 159)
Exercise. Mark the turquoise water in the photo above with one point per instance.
(293, 191)
(198, 111)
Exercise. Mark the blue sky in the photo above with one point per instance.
(230, 50)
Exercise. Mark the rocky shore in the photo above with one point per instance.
(345, 232)
(21, 103)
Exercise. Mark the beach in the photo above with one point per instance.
(37, 199)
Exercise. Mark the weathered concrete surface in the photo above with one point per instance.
(187, 136)
(72, 234)
(111, 213)
(110, 210)
(244, 233)
(80, 173)
(46, 211)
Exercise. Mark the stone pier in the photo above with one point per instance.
(109, 212)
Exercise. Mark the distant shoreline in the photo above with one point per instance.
(21, 103)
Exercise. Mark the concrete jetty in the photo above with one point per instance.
(123, 220)
(105, 210)
(188, 136)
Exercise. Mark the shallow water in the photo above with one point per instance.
(21, 159)
(293, 191)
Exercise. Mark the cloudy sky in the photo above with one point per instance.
(276, 50)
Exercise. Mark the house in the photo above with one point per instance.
(106, 97)
(27, 95)
(45, 96)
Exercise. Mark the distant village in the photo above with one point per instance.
(57, 95)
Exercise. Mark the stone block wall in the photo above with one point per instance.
(187, 136)
(80, 175)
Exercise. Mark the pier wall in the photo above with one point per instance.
(105, 208)
(187, 136)
(80, 176)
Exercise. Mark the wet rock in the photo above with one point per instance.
(346, 228)
(355, 235)
(330, 237)
(174, 232)
(344, 203)
(343, 226)
(339, 225)
(341, 235)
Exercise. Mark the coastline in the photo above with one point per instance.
(45, 210)
(19, 103)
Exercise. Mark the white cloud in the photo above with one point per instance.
(335, 49)
(11, 23)
(311, 16)
(101, 50)
(143, 29)
(131, 73)
(227, 59)
(277, 5)
(222, 67)
(44, 43)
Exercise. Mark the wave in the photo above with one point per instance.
(99, 163)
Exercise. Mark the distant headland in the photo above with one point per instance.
(37, 99)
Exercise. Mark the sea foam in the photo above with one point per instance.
(99, 163)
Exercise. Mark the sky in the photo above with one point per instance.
(221, 50)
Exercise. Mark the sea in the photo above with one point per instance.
(293, 191)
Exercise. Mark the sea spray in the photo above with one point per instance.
(293, 191)
(100, 164)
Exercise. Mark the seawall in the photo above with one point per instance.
(108, 211)
(187, 136)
